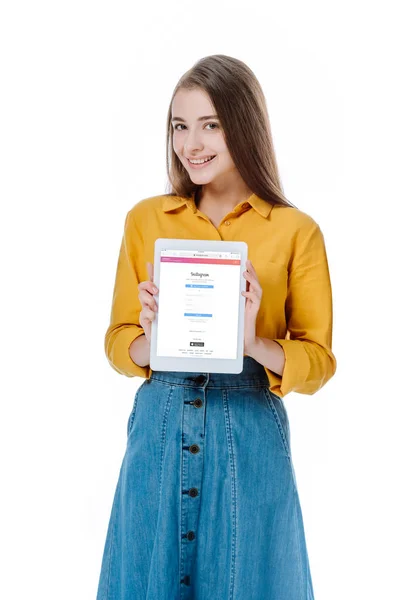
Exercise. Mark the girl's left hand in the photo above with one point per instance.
(253, 296)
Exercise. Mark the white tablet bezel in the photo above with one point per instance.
(191, 364)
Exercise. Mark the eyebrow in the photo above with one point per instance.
(199, 119)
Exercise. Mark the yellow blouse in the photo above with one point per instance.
(287, 249)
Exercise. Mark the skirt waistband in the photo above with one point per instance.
(253, 375)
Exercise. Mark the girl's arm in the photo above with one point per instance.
(309, 361)
(124, 327)
(139, 351)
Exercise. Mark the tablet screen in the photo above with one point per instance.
(198, 303)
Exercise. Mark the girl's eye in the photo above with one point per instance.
(181, 125)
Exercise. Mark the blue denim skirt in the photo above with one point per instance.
(206, 506)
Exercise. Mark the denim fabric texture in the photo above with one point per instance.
(206, 506)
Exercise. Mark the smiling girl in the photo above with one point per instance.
(207, 506)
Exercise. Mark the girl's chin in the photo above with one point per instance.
(203, 179)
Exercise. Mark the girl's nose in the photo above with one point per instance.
(193, 142)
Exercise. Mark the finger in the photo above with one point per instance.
(252, 269)
(148, 314)
(254, 287)
(145, 320)
(149, 286)
(147, 299)
(251, 279)
(146, 295)
(252, 296)
(249, 265)
(150, 270)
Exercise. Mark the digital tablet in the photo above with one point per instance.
(199, 325)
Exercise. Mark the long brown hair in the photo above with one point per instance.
(239, 102)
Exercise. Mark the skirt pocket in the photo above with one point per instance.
(132, 414)
(278, 409)
(281, 418)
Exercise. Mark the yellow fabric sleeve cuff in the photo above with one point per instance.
(295, 371)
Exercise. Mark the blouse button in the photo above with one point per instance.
(198, 402)
(191, 535)
(194, 448)
(227, 222)
(193, 492)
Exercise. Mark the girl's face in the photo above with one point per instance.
(196, 137)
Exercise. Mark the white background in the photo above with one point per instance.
(85, 88)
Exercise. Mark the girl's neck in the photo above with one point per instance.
(225, 201)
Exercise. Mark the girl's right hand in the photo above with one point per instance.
(147, 290)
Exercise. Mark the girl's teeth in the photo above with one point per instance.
(199, 162)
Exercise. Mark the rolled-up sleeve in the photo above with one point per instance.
(309, 360)
(124, 325)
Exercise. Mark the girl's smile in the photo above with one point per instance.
(200, 165)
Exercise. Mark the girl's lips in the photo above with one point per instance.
(201, 165)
